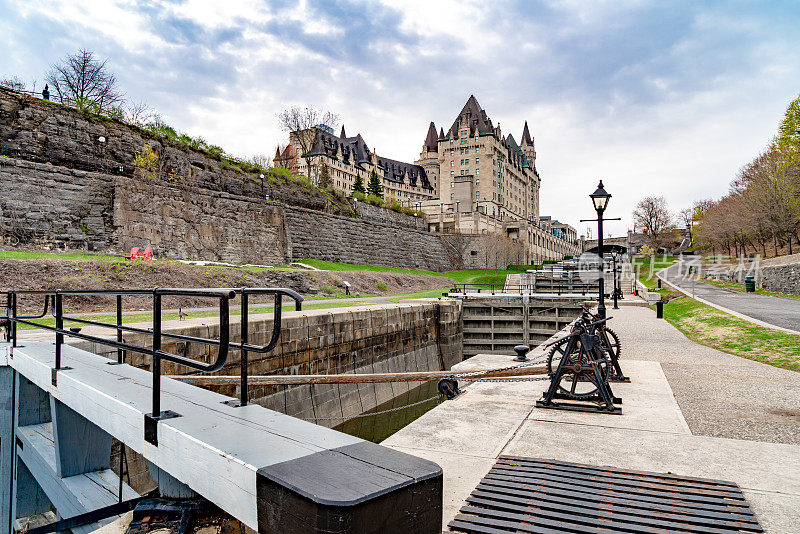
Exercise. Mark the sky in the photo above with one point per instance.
(654, 98)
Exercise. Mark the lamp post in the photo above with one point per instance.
(600, 199)
(614, 256)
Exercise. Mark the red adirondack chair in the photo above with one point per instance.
(148, 254)
(134, 254)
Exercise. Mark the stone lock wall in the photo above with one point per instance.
(420, 336)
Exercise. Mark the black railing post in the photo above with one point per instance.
(244, 327)
(59, 326)
(156, 357)
(120, 353)
(13, 324)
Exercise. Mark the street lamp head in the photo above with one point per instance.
(600, 197)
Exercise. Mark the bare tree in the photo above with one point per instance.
(653, 217)
(686, 217)
(262, 160)
(302, 123)
(139, 113)
(81, 79)
(13, 82)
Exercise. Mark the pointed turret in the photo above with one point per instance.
(526, 136)
(277, 153)
(441, 133)
(431, 140)
(343, 135)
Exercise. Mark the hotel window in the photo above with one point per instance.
(452, 173)
(477, 183)
(452, 184)
(451, 163)
(464, 133)
(477, 195)
(477, 172)
(476, 149)
(452, 196)
(477, 160)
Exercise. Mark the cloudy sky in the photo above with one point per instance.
(656, 98)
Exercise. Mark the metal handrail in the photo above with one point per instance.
(224, 344)
(582, 289)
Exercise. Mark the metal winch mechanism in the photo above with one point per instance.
(581, 365)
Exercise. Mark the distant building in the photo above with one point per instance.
(348, 157)
(470, 180)
(488, 184)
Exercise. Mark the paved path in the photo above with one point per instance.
(720, 394)
(689, 410)
(777, 311)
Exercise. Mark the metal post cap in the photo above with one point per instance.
(521, 351)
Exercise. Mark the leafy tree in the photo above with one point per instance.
(375, 188)
(83, 81)
(358, 186)
(789, 129)
(324, 176)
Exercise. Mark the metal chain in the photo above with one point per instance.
(372, 413)
(482, 372)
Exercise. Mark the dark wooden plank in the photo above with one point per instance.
(588, 500)
(609, 474)
(528, 494)
(622, 483)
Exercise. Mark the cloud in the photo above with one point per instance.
(654, 98)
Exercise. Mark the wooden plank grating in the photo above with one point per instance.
(547, 496)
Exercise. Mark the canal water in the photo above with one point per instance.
(378, 424)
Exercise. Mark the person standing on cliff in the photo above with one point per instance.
(46, 92)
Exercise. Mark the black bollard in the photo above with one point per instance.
(521, 351)
(659, 310)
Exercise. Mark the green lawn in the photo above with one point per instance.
(740, 287)
(647, 267)
(711, 327)
(465, 276)
(148, 317)
(79, 256)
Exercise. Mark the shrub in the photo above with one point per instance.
(328, 289)
(381, 286)
(146, 162)
(375, 201)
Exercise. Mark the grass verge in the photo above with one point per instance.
(740, 287)
(719, 330)
(148, 317)
(647, 267)
(465, 276)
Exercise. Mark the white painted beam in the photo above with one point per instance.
(213, 448)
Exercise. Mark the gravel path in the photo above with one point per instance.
(720, 395)
(779, 311)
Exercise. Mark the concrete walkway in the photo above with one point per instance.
(774, 311)
(681, 399)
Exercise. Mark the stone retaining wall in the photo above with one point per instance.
(784, 278)
(42, 203)
(189, 223)
(346, 239)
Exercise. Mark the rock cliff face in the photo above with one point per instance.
(68, 182)
(45, 132)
